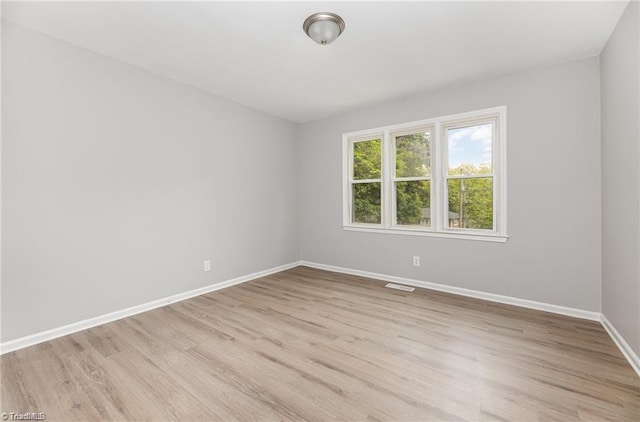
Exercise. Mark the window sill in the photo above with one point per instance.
(417, 232)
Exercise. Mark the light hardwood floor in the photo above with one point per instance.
(307, 344)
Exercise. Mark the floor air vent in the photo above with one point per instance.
(400, 287)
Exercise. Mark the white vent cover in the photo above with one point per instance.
(400, 287)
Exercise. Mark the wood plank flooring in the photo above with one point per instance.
(307, 344)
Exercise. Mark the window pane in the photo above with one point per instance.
(413, 155)
(366, 203)
(470, 149)
(471, 203)
(413, 203)
(367, 159)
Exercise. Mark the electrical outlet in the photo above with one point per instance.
(416, 261)
(207, 265)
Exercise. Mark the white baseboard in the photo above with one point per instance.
(54, 333)
(541, 306)
(624, 347)
(43, 336)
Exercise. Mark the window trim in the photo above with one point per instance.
(439, 175)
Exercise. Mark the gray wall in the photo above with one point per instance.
(553, 255)
(620, 72)
(117, 184)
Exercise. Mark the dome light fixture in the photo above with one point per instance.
(323, 27)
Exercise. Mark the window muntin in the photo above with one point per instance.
(443, 177)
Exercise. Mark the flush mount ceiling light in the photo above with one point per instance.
(323, 27)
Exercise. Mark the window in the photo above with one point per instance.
(366, 183)
(441, 177)
(412, 177)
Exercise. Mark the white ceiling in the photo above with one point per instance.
(257, 54)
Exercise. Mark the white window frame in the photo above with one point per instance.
(438, 178)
